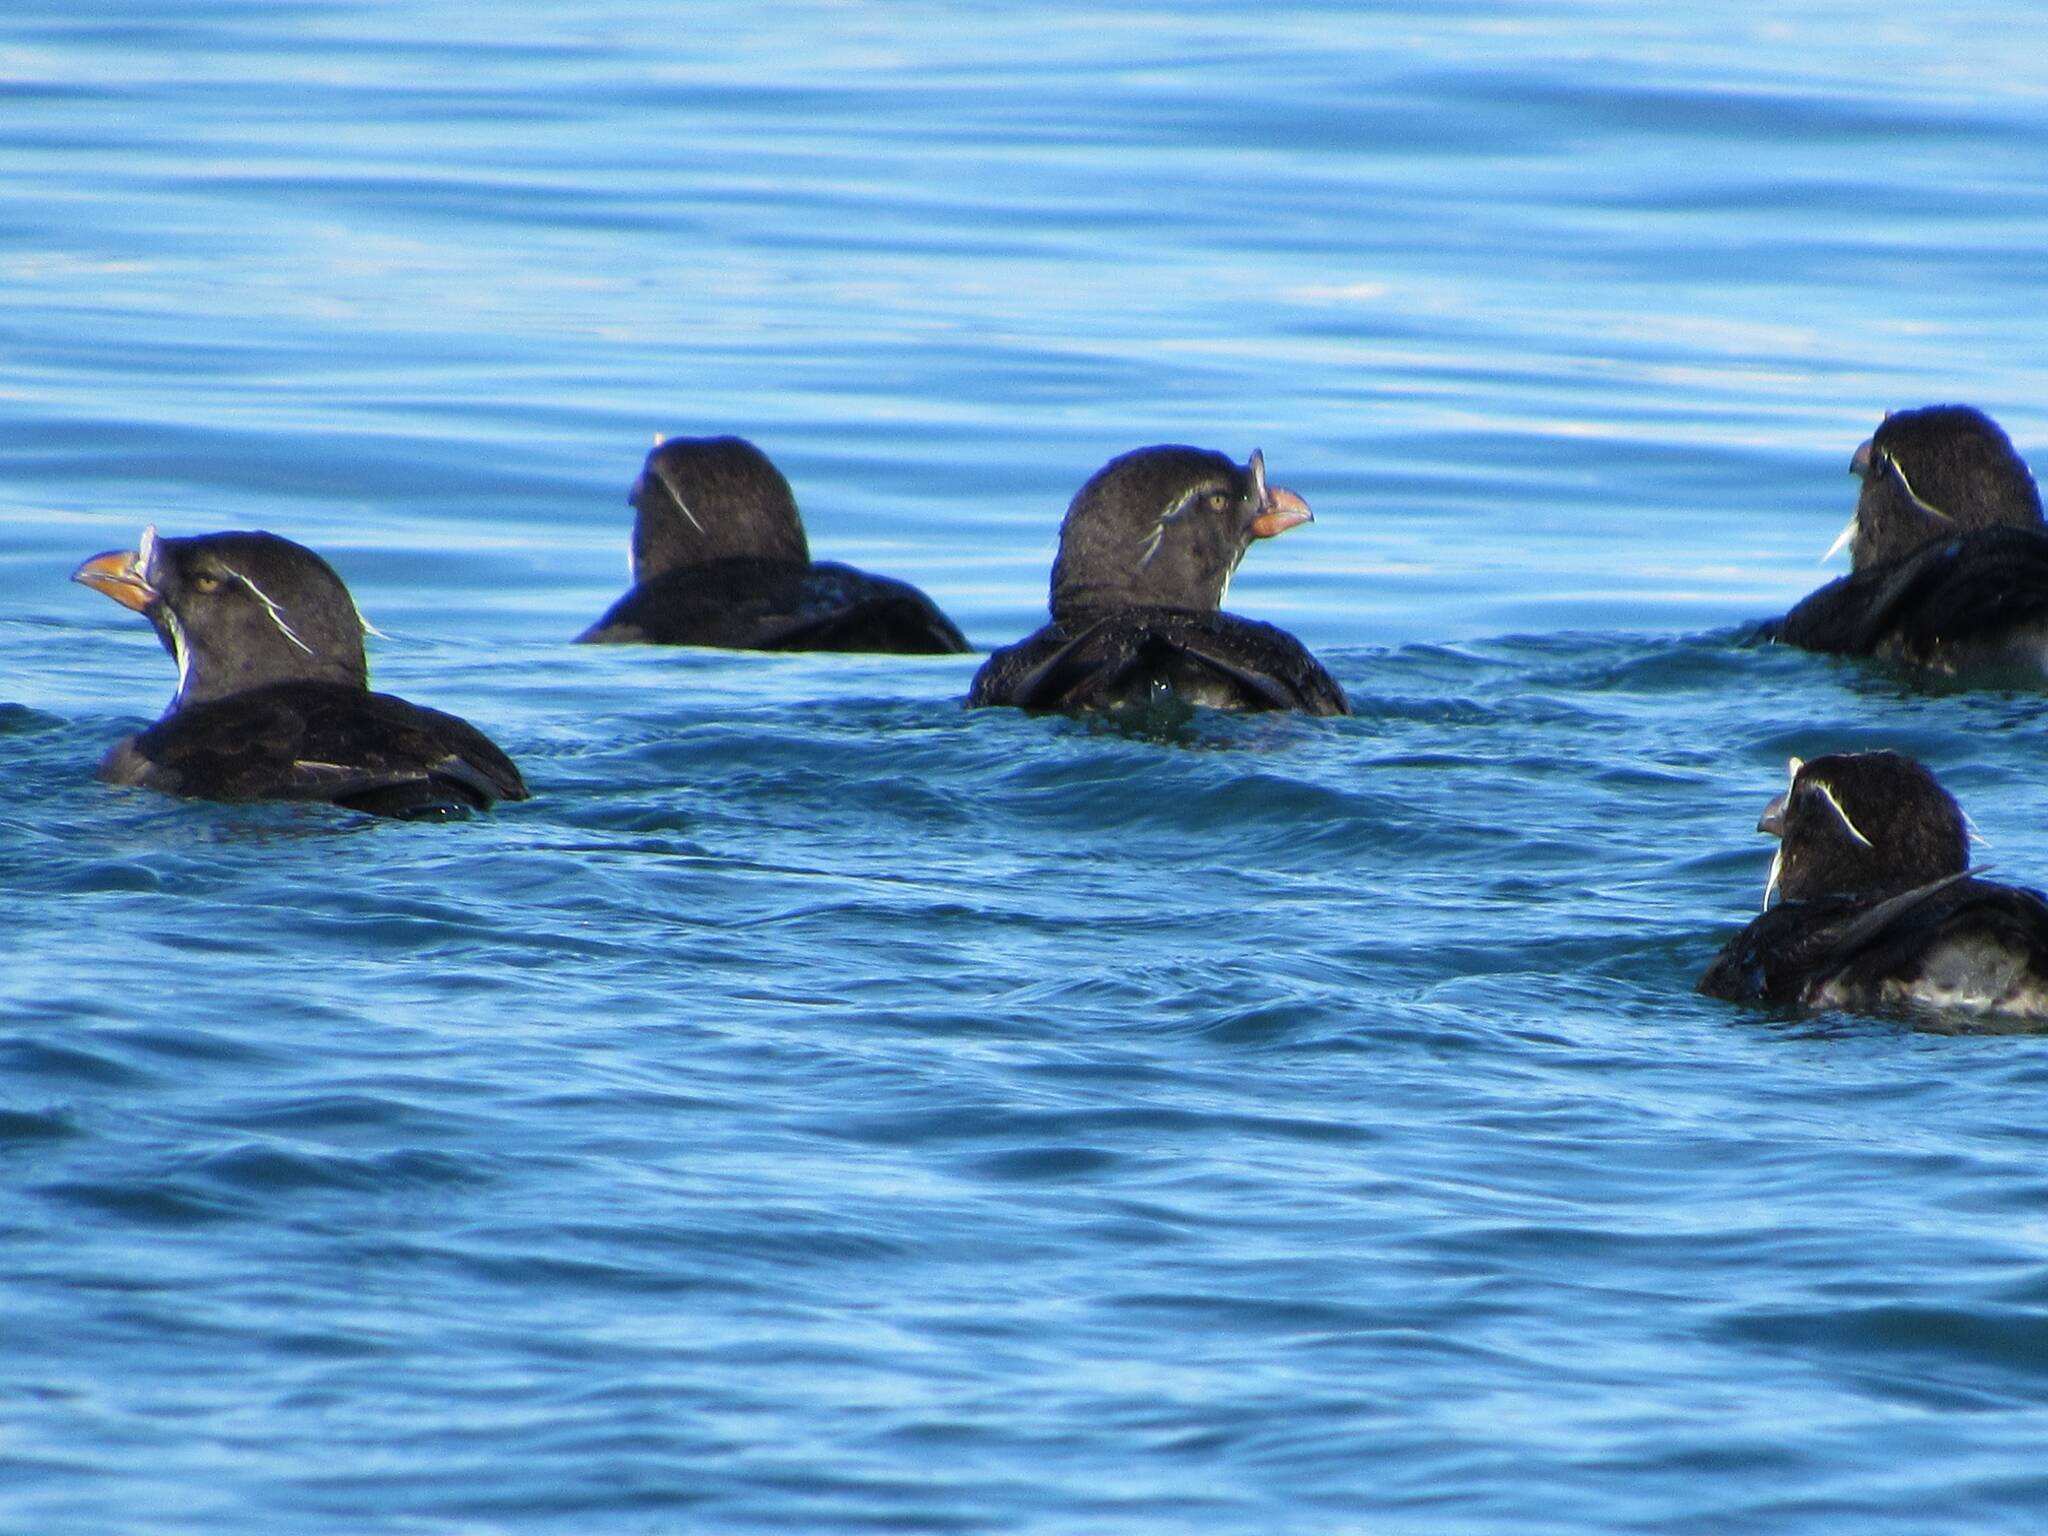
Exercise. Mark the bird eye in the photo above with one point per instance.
(205, 581)
(1218, 502)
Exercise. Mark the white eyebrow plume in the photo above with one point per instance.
(270, 607)
(1970, 830)
(1856, 832)
(1152, 539)
(675, 491)
(1917, 499)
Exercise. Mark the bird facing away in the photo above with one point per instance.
(273, 698)
(1948, 552)
(1877, 910)
(719, 558)
(1145, 558)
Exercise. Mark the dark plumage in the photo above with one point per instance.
(1948, 551)
(273, 697)
(720, 558)
(1146, 554)
(1878, 909)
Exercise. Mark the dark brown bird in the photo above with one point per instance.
(1146, 554)
(1948, 552)
(720, 558)
(1878, 910)
(273, 699)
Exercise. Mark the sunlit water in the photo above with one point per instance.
(822, 1108)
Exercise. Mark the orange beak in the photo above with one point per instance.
(1282, 510)
(118, 573)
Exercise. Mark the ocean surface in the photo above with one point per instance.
(824, 1109)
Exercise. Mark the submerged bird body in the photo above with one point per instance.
(1961, 944)
(1129, 658)
(1879, 911)
(720, 559)
(273, 698)
(1975, 601)
(1146, 554)
(1948, 552)
(745, 604)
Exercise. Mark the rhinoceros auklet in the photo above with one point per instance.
(1146, 554)
(273, 697)
(719, 558)
(1948, 552)
(1878, 910)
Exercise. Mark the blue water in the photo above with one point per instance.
(824, 1109)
